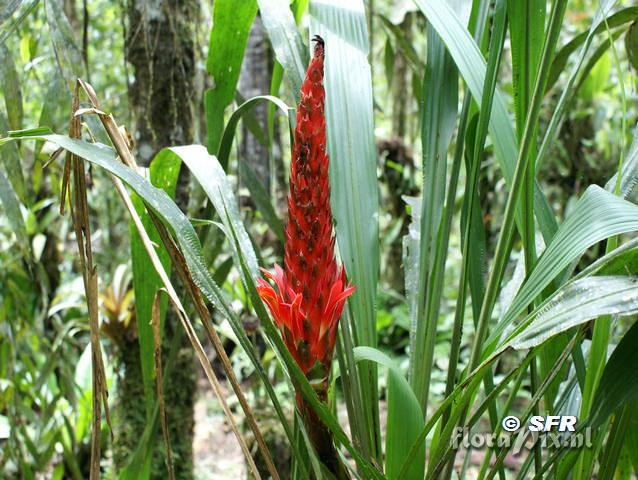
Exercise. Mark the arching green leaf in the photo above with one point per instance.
(405, 419)
(231, 26)
(597, 215)
(574, 304)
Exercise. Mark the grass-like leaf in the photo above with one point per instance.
(11, 206)
(471, 65)
(405, 418)
(618, 384)
(598, 215)
(353, 171)
(231, 26)
(574, 304)
(286, 41)
(163, 173)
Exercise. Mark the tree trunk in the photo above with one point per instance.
(160, 46)
(401, 84)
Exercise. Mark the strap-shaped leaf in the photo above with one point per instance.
(231, 26)
(285, 39)
(163, 173)
(619, 383)
(211, 176)
(472, 67)
(438, 116)
(226, 142)
(574, 304)
(597, 215)
(405, 419)
(354, 192)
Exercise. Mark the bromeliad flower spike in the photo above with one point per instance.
(310, 292)
(311, 289)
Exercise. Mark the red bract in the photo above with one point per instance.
(311, 290)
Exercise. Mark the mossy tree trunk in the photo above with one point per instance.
(161, 48)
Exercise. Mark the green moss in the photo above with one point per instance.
(130, 413)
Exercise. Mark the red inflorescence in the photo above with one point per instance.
(311, 290)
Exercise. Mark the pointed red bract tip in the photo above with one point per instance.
(311, 290)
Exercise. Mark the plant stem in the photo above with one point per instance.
(320, 436)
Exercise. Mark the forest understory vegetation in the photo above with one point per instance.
(318, 239)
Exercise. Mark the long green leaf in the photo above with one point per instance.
(405, 418)
(527, 29)
(438, 115)
(597, 215)
(618, 384)
(353, 167)
(211, 176)
(231, 27)
(471, 65)
(285, 39)
(11, 206)
(574, 304)
(226, 142)
(257, 191)
(163, 173)
(472, 234)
